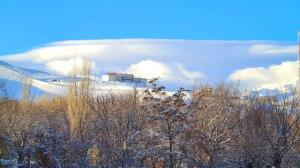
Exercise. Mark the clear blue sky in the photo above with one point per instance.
(25, 24)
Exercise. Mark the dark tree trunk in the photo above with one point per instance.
(171, 157)
(277, 161)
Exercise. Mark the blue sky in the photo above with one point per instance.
(27, 24)
(32, 24)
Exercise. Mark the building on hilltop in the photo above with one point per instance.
(125, 78)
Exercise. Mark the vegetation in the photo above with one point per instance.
(213, 127)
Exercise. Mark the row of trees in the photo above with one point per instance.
(207, 127)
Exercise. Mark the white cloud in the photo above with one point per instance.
(189, 75)
(93, 49)
(274, 76)
(172, 59)
(273, 49)
(66, 67)
(150, 69)
(168, 72)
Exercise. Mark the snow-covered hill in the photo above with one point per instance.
(47, 83)
(14, 77)
(52, 84)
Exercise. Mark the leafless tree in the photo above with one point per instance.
(280, 126)
(169, 117)
(217, 114)
(117, 125)
(77, 98)
(213, 126)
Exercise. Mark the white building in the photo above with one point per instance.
(124, 77)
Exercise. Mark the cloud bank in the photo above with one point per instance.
(173, 60)
(274, 76)
(273, 49)
(66, 67)
(154, 69)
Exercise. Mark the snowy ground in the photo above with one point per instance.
(46, 83)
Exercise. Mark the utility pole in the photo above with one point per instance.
(298, 63)
(298, 54)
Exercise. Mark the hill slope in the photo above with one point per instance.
(47, 83)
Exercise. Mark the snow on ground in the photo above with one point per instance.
(43, 82)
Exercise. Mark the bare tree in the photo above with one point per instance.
(77, 98)
(280, 126)
(169, 117)
(117, 125)
(217, 115)
(211, 127)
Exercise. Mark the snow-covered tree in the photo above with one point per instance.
(168, 118)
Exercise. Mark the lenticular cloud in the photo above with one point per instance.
(170, 59)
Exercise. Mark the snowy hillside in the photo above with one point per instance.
(46, 83)
(52, 84)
